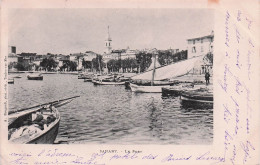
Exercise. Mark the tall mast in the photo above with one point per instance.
(154, 66)
(108, 36)
(99, 65)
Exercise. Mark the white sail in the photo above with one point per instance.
(157, 64)
(170, 71)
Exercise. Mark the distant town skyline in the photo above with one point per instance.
(65, 31)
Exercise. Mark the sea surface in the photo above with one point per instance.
(113, 114)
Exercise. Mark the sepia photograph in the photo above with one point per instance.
(110, 76)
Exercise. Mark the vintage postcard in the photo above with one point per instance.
(129, 82)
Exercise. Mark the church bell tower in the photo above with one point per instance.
(108, 42)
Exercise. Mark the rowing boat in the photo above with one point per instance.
(97, 82)
(178, 88)
(109, 80)
(87, 79)
(10, 81)
(37, 124)
(199, 97)
(35, 77)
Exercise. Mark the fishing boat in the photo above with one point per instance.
(36, 125)
(177, 88)
(159, 76)
(147, 87)
(112, 79)
(108, 83)
(18, 76)
(199, 97)
(35, 77)
(87, 79)
(82, 76)
(11, 81)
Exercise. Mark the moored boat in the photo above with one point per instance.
(82, 76)
(108, 83)
(87, 79)
(11, 81)
(146, 89)
(36, 125)
(35, 77)
(178, 88)
(18, 76)
(200, 97)
(110, 80)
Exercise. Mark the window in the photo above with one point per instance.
(201, 48)
(193, 42)
(193, 49)
(201, 41)
(109, 43)
(106, 44)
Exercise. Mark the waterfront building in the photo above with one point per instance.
(12, 49)
(129, 53)
(89, 55)
(77, 58)
(37, 62)
(200, 45)
(62, 61)
(28, 57)
(12, 56)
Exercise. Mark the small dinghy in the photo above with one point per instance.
(36, 125)
(11, 81)
(35, 77)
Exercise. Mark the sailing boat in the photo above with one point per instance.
(152, 81)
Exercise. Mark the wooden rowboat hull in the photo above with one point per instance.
(171, 92)
(196, 103)
(87, 80)
(11, 81)
(48, 137)
(35, 78)
(108, 83)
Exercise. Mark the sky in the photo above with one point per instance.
(65, 31)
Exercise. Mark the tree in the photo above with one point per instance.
(20, 67)
(73, 66)
(144, 60)
(209, 56)
(98, 63)
(86, 64)
(48, 64)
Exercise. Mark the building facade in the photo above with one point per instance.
(200, 45)
(89, 55)
(129, 53)
(12, 56)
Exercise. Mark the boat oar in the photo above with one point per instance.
(53, 102)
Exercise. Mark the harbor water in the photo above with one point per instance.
(113, 114)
